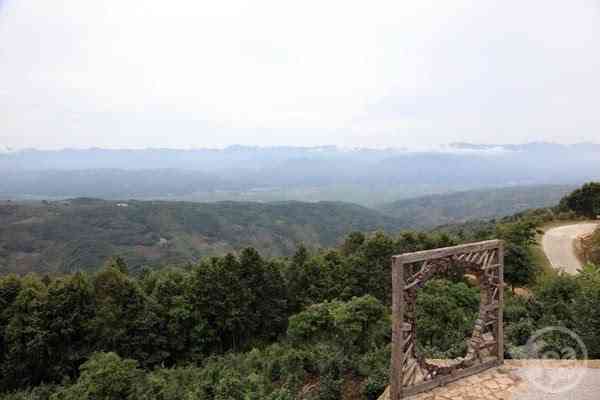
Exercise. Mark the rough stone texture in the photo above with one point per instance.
(512, 382)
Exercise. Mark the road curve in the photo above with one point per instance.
(559, 245)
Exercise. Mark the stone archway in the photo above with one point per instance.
(411, 373)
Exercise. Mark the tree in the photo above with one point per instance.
(307, 280)
(353, 242)
(10, 286)
(353, 326)
(104, 376)
(553, 301)
(26, 337)
(126, 319)
(587, 315)
(584, 201)
(170, 384)
(69, 308)
(169, 289)
(446, 313)
(118, 263)
(519, 268)
(220, 303)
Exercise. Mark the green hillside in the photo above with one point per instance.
(82, 233)
(312, 326)
(66, 236)
(435, 210)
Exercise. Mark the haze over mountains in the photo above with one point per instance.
(364, 176)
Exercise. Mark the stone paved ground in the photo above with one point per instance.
(521, 380)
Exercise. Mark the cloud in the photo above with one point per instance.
(187, 73)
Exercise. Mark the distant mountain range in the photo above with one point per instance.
(365, 176)
(4, 149)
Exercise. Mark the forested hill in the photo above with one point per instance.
(81, 234)
(435, 210)
(312, 326)
(65, 236)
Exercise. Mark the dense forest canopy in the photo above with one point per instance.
(584, 201)
(322, 314)
(314, 325)
(80, 234)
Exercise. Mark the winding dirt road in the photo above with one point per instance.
(559, 245)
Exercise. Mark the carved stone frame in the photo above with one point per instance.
(410, 372)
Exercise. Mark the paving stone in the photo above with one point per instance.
(510, 382)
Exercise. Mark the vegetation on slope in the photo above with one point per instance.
(584, 201)
(593, 252)
(313, 326)
(81, 234)
(435, 210)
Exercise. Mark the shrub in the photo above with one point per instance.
(104, 376)
(446, 314)
(354, 326)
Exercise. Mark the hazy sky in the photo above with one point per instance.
(155, 73)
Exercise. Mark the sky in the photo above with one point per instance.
(187, 74)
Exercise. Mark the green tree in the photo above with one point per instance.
(353, 326)
(26, 360)
(303, 278)
(10, 287)
(126, 319)
(104, 376)
(587, 311)
(446, 314)
(221, 300)
(169, 289)
(69, 308)
(519, 268)
(118, 263)
(353, 242)
(267, 306)
(171, 384)
(554, 299)
(584, 201)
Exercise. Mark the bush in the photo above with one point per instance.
(104, 376)
(330, 384)
(170, 384)
(354, 326)
(584, 201)
(42, 392)
(587, 315)
(375, 366)
(446, 314)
